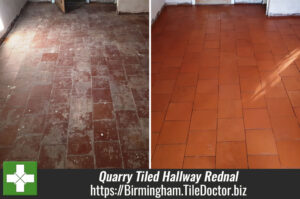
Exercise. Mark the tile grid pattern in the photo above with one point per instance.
(225, 88)
(74, 88)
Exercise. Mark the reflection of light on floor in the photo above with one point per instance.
(273, 79)
(1, 25)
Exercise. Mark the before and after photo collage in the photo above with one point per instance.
(150, 84)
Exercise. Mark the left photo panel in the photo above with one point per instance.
(74, 83)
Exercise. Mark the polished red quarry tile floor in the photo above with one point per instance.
(74, 88)
(225, 88)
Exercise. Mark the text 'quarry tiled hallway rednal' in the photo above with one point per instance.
(74, 88)
(225, 88)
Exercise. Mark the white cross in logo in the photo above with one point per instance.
(20, 178)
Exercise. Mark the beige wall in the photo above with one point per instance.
(133, 6)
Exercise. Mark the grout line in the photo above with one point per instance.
(217, 119)
(93, 126)
(245, 137)
(195, 93)
(166, 111)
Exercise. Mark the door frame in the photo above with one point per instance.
(61, 4)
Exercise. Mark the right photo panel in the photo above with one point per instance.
(225, 84)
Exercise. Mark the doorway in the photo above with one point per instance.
(70, 5)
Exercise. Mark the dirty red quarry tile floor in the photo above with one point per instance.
(225, 88)
(74, 88)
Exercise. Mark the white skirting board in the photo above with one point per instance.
(212, 2)
(248, 1)
(175, 2)
(195, 2)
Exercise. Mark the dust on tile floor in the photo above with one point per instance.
(74, 88)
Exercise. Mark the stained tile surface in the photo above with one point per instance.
(74, 88)
(233, 75)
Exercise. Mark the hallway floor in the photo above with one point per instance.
(74, 88)
(225, 88)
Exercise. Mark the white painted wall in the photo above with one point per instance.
(156, 6)
(283, 7)
(132, 6)
(9, 10)
(178, 1)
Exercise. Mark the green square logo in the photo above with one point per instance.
(19, 178)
